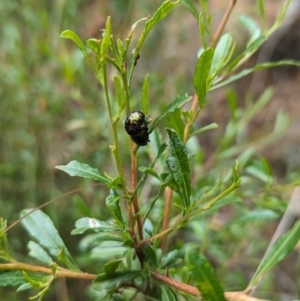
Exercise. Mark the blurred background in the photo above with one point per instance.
(51, 108)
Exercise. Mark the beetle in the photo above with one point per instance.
(136, 126)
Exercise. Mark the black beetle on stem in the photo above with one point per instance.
(136, 126)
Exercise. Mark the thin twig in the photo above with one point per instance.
(166, 216)
(233, 296)
(134, 183)
(17, 266)
(224, 21)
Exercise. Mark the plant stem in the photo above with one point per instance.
(165, 225)
(19, 266)
(233, 296)
(134, 183)
(221, 27)
(115, 147)
(185, 218)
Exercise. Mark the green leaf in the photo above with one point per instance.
(106, 42)
(167, 294)
(12, 278)
(75, 168)
(176, 123)
(160, 14)
(110, 267)
(205, 128)
(37, 252)
(190, 6)
(178, 102)
(94, 44)
(261, 9)
(252, 27)
(255, 69)
(5, 252)
(87, 223)
(221, 55)
(150, 255)
(114, 281)
(69, 34)
(169, 259)
(119, 91)
(201, 78)
(204, 276)
(283, 246)
(179, 166)
(113, 205)
(40, 227)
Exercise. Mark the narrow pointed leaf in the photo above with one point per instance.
(283, 246)
(189, 4)
(252, 27)
(178, 102)
(167, 294)
(160, 14)
(115, 280)
(201, 78)
(69, 34)
(255, 69)
(204, 276)
(41, 228)
(75, 168)
(113, 205)
(179, 166)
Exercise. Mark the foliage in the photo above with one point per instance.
(135, 242)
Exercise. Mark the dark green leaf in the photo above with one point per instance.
(179, 166)
(41, 228)
(150, 255)
(87, 223)
(110, 267)
(169, 259)
(283, 246)
(115, 280)
(204, 276)
(178, 102)
(113, 205)
(254, 69)
(75, 168)
(190, 6)
(167, 294)
(201, 78)
(12, 278)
